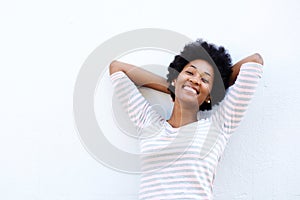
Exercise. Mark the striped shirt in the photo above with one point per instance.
(180, 163)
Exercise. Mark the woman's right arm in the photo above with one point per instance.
(139, 110)
(140, 77)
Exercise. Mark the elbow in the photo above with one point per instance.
(258, 58)
(113, 67)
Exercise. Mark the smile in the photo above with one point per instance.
(191, 89)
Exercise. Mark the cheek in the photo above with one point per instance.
(210, 86)
(206, 88)
(177, 90)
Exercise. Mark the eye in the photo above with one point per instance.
(188, 72)
(204, 80)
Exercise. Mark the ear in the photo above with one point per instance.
(208, 99)
(173, 82)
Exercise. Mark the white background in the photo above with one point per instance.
(43, 45)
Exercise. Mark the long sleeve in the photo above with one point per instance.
(237, 99)
(138, 108)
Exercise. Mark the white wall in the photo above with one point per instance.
(43, 45)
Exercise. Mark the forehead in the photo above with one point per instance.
(201, 66)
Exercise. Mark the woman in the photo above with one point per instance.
(180, 155)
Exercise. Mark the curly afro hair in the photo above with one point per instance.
(216, 56)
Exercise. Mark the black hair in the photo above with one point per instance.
(216, 56)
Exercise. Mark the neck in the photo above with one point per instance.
(182, 115)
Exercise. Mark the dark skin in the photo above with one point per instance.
(192, 87)
(145, 78)
(182, 113)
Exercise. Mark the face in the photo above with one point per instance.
(194, 83)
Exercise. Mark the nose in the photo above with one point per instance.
(194, 80)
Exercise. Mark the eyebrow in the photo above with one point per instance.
(204, 72)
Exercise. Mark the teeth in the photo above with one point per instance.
(190, 89)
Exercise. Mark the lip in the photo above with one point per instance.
(192, 87)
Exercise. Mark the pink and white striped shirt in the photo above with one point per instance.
(180, 163)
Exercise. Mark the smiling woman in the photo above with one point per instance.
(193, 86)
(197, 79)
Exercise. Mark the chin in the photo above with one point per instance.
(190, 102)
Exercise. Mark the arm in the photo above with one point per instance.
(236, 101)
(236, 67)
(140, 76)
(138, 109)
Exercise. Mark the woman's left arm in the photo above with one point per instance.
(235, 103)
(236, 67)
